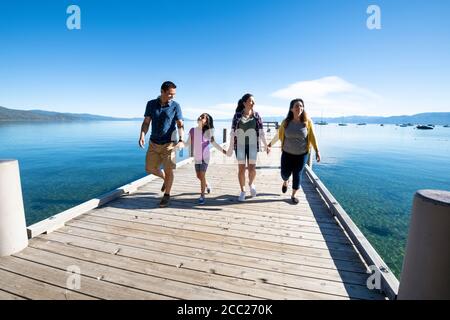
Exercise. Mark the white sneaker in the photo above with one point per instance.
(242, 196)
(253, 190)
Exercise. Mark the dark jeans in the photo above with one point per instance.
(293, 164)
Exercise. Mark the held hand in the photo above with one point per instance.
(229, 151)
(318, 157)
(180, 145)
(141, 142)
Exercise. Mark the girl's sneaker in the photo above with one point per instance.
(242, 196)
(253, 190)
(201, 200)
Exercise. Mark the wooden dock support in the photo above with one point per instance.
(224, 137)
(13, 232)
(426, 267)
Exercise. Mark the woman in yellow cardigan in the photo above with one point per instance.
(297, 136)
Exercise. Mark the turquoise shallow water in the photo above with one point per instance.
(373, 171)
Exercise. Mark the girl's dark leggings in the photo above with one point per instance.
(293, 164)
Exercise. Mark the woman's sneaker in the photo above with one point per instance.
(242, 196)
(201, 200)
(208, 188)
(253, 190)
(294, 200)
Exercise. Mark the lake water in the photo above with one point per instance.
(373, 171)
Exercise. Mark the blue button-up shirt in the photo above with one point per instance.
(164, 119)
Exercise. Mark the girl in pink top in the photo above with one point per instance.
(199, 139)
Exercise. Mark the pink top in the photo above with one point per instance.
(200, 145)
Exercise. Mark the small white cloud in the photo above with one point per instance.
(332, 96)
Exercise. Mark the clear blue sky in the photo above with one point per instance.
(217, 50)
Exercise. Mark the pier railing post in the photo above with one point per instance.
(224, 137)
(13, 230)
(426, 266)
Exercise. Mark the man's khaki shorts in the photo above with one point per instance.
(160, 154)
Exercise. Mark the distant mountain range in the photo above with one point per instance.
(12, 115)
(440, 118)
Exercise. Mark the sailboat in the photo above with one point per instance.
(321, 122)
(342, 124)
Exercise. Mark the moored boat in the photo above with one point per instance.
(424, 127)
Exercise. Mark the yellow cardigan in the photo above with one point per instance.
(311, 137)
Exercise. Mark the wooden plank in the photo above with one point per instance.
(303, 212)
(239, 271)
(216, 226)
(180, 214)
(187, 235)
(273, 203)
(281, 256)
(33, 289)
(225, 257)
(263, 188)
(264, 182)
(219, 220)
(271, 243)
(101, 254)
(152, 203)
(145, 282)
(4, 295)
(44, 272)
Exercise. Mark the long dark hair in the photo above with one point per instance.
(290, 115)
(209, 125)
(244, 98)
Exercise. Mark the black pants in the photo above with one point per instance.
(293, 164)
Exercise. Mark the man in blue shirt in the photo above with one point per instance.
(165, 116)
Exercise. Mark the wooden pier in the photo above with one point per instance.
(264, 248)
